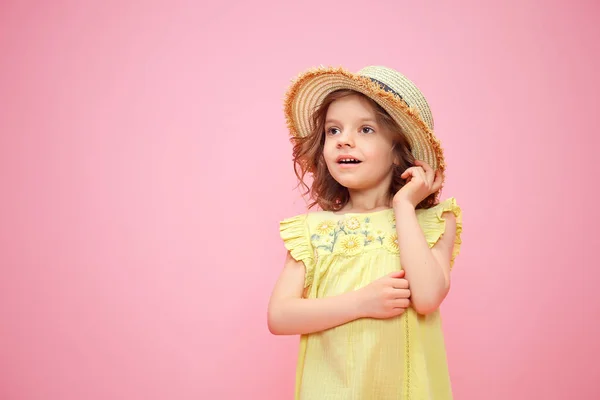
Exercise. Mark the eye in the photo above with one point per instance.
(367, 129)
(332, 131)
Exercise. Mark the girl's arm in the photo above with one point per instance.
(427, 269)
(291, 314)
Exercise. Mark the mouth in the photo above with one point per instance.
(346, 160)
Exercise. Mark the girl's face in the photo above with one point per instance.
(358, 150)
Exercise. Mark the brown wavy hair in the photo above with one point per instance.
(325, 191)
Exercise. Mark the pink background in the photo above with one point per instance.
(144, 166)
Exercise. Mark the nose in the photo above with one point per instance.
(344, 139)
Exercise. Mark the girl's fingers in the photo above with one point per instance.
(409, 171)
(397, 274)
(399, 283)
(401, 303)
(429, 176)
(423, 165)
(422, 175)
(422, 170)
(437, 183)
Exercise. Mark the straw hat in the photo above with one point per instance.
(390, 89)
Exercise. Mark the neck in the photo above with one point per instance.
(364, 201)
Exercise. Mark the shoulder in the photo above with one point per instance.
(309, 217)
(442, 224)
(307, 221)
(444, 217)
(444, 210)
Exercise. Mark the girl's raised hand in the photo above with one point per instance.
(386, 297)
(421, 181)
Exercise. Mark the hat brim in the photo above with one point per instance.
(309, 90)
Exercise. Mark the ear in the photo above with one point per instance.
(396, 159)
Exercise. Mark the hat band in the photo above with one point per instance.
(388, 89)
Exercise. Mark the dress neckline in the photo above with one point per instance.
(384, 210)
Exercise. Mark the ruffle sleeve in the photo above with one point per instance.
(434, 224)
(296, 238)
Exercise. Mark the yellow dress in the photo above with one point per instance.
(397, 358)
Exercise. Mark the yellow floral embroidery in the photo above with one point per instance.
(352, 235)
(391, 243)
(325, 227)
(392, 218)
(353, 224)
(351, 244)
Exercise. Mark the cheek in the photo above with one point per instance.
(328, 149)
(383, 154)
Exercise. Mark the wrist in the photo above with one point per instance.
(356, 303)
(402, 203)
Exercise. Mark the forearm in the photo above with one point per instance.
(297, 316)
(428, 281)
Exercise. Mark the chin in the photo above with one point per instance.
(352, 184)
(358, 182)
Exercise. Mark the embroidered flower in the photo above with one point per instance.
(351, 244)
(391, 243)
(353, 224)
(392, 218)
(325, 227)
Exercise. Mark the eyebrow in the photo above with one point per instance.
(334, 121)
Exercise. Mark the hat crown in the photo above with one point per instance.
(401, 86)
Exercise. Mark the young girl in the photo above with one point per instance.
(364, 277)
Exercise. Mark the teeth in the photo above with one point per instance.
(348, 160)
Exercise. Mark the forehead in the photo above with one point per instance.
(354, 106)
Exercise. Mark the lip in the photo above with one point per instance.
(347, 166)
(346, 156)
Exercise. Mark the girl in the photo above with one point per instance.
(364, 277)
